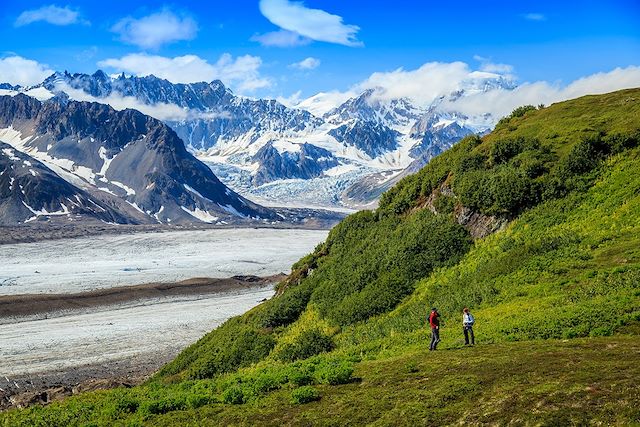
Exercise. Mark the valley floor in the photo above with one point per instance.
(105, 261)
(551, 382)
(121, 335)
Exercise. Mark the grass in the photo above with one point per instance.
(570, 382)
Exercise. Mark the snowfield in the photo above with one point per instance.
(81, 264)
(148, 331)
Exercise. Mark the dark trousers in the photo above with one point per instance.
(468, 330)
(435, 338)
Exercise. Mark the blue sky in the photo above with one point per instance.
(254, 46)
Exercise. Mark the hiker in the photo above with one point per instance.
(467, 326)
(434, 321)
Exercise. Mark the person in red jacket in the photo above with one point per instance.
(434, 321)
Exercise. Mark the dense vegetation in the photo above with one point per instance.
(567, 266)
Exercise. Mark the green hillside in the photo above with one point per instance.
(535, 227)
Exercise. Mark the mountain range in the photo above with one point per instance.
(118, 166)
(312, 154)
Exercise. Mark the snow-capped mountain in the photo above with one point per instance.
(212, 113)
(263, 148)
(302, 161)
(30, 191)
(124, 159)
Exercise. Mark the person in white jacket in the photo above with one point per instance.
(467, 326)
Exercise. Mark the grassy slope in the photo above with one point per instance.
(567, 266)
(551, 382)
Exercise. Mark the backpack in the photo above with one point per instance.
(472, 320)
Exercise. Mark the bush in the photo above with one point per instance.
(370, 269)
(300, 375)
(307, 344)
(237, 349)
(264, 383)
(162, 406)
(518, 112)
(195, 401)
(444, 204)
(471, 162)
(127, 405)
(233, 395)
(618, 143)
(504, 150)
(584, 157)
(304, 394)
(286, 308)
(334, 373)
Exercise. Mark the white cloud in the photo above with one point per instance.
(422, 85)
(155, 30)
(485, 91)
(315, 24)
(500, 102)
(241, 73)
(52, 14)
(534, 17)
(491, 67)
(17, 70)
(486, 64)
(306, 64)
(291, 100)
(281, 38)
(160, 111)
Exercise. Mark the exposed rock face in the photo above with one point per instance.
(124, 154)
(478, 224)
(7, 86)
(29, 191)
(309, 162)
(372, 138)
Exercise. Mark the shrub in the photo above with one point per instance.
(470, 162)
(370, 270)
(300, 375)
(233, 395)
(584, 157)
(444, 204)
(504, 150)
(162, 406)
(265, 382)
(304, 394)
(127, 404)
(241, 349)
(618, 142)
(195, 400)
(521, 111)
(307, 344)
(513, 192)
(334, 373)
(286, 308)
(518, 112)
